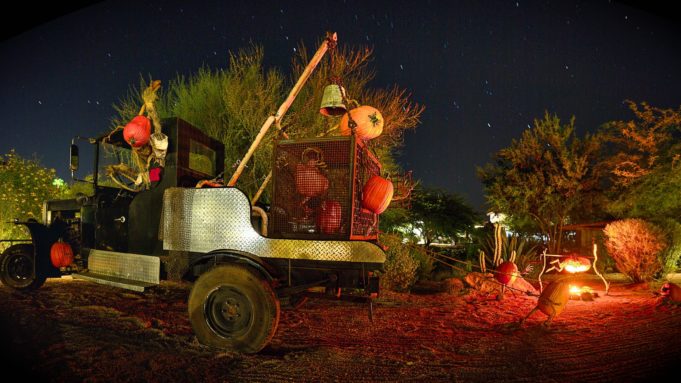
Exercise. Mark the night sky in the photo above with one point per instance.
(484, 69)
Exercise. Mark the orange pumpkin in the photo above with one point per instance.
(137, 131)
(672, 291)
(369, 122)
(61, 254)
(310, 181)
(377, 194)
(329, 217)
(506, 273)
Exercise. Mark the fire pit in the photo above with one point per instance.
(584, 293)
(573, 264)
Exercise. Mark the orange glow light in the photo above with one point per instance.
(576, 264)
(577, 291)
(574, 290)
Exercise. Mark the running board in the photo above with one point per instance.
(125, 270)
(113, 281)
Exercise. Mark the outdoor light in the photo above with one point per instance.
(496, 217)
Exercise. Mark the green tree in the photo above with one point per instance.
(440, 215)
(228, 104)
(546, 177)
(653, 196)
(231, 104)
(24, 185)
(637, 147)
(642, 163)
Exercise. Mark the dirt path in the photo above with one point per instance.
(74, 330)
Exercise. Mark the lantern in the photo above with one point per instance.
(368, 119)
(377, 194)
(329, 217)
(61, 254)
(137, 131)
(506, 273)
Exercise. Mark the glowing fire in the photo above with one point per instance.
(578, 291)
(576, 264)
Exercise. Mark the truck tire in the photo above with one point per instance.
(231, 307)
(16, 268)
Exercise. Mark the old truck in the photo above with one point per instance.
(242, 259)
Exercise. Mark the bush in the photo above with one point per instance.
(24, 185)
(635, 245)
(423, 261)
(671, 256)
(400, 266)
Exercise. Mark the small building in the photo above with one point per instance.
(580, 237)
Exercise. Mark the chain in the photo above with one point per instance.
(335, 79)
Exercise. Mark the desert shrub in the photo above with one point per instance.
(424, 261)
(670, 258)
(635, 245)
(400, 267)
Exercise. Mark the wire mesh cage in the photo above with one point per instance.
(317, 189)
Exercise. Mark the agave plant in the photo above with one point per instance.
(526, 251)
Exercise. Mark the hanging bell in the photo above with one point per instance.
(332, 101)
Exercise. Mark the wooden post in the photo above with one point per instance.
(284, 107)
(267, 179)
(262, 188)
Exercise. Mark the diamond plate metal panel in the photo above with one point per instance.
(203, 220)
(143, 268)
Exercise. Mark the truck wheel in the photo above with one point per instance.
(233, 308)
(16, 268)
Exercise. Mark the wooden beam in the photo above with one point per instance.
(284, 106)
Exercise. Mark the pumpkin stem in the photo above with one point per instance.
(374, 119)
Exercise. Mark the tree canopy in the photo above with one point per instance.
(545, 177)
(24, 185)
(642, 163)
(627, 169)
(434, 215)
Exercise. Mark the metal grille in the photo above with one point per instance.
(317, 189)
(365, 223)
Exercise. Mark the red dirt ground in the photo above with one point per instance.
(73, 330)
